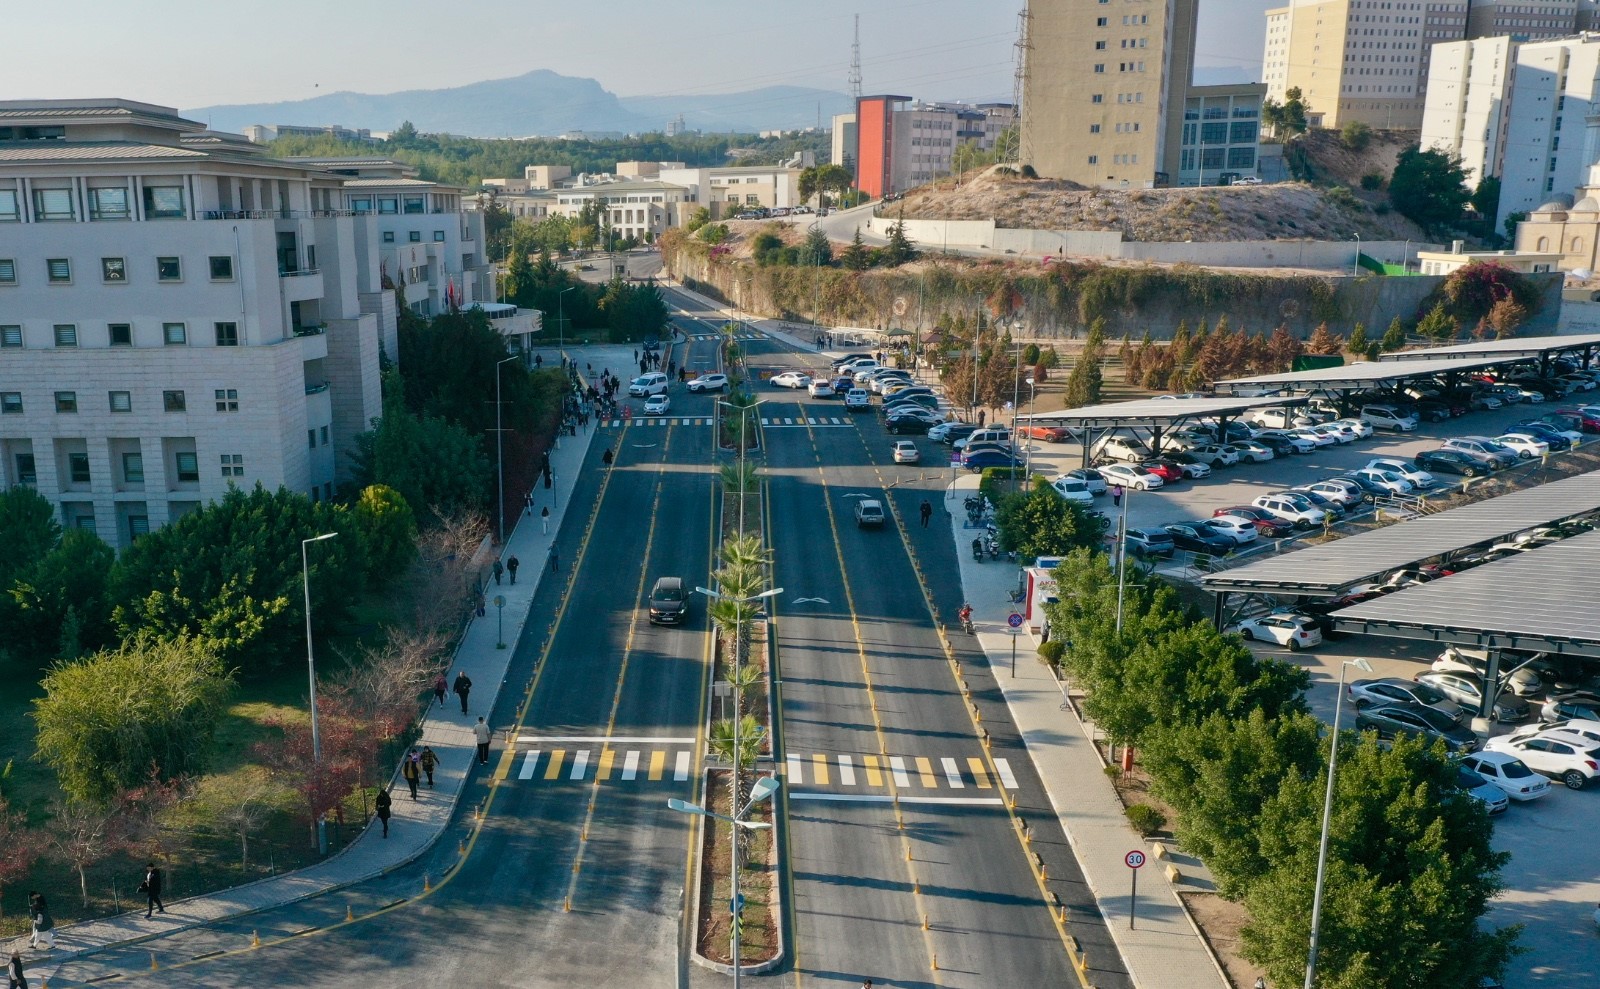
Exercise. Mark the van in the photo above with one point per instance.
(1276, 418)
(1121, 448)
(993, 435)
(654, 383)
(1388, 417)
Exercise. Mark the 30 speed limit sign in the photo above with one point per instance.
(1135, 859)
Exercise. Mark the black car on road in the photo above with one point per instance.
(1452, 462)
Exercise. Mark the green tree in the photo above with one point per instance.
(1394, 337)
(230, 573)
(28, 530)
(899, 249)
(1042, 523)
(386, 529)
(1512, 219)
(1410, 874)
(106, 719)
(699, 218)
(1355, 135)
(1358, 340)
(1486, 198)
(856, 257)
(817, 249)
(1085, 382)
(1030, 354)
(451, 368)
(65, 591)
(713, 233)
(1438, 324)
(1429, 188)
(1287, 119)
(435, 465)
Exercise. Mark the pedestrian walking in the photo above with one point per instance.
(555, 559)
(151, 888)
(981, 415)
(428, 761)
(927, 512)
(544, 517)
(440, 686)
(527, 503)
(511, 566)
(481, 732)
(498, 569)
(383, 804)
(411, 770)
(39, 916)
(14, 971)
(538, 361)
(463, 687)
(1116, 495)
(607, 457)
(636, 355)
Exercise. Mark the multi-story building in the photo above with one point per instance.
(1554, 132)
(844, 141)
(179, 313)
(900, 143)
(1221, 133)
(638, 209)
(1571, 232)
(262, 133)
(1103, 90)
(1469, 101)
(1522, 20)
(1358, 60)
(728, 189)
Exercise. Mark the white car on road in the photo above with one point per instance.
(1295, 632)
(657, 405)
(1241, 531)
(708, 382)
(791, 379)
(1131, 476)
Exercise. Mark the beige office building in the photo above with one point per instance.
(1103, 89)
(1364, 60)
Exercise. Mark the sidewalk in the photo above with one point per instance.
(1164, 950)
(415, 825)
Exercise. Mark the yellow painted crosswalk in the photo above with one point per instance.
(906, 773)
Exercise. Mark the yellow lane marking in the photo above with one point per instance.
(925, 770)
(553, 771)
(979, 773)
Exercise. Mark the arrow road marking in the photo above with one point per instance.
(809, 601)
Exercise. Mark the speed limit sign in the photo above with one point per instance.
(1135, 859)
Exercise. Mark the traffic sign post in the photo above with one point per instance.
(500, 621)
(1135, 861)
(1014, 620)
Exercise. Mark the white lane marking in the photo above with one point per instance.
(580, 764)
(897, 768)
(809, 601)
(681, 771)
(847, 772)
(884, 798)
(630, 765)
(635, 739)
(795, 775)
(952, 774)
(1007, 778)
(529, 761)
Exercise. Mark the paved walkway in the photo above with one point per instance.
(1163, 950)
(415, 825)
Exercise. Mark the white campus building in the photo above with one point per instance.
(1468, 103)
(180, 312)
(1554, 132)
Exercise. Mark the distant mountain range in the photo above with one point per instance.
(539, 103)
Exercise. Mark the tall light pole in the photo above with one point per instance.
(311, 668)
(1327, 809)
(499, 453)
(1122, 552)
(764, 788)
(1356, 267)
(561, 319)
(743, 440)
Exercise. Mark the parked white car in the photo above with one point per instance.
(1121, 448)
(1290, 510)
(1256, 453)
(1572, 759)
(1525, 446)
(1360, 427)
(1387, 417)
(1320, 439)
(1386, 479)
(1241, 531)
(1340, 432)
(1131, 476)
(1073, 489)
(1296, 632)
(1507, 772)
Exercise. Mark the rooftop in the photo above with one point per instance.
(1514, 347)
(1363, 374)
(1153, 409)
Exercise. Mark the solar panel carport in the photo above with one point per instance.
(1157, 415)
(1543, 600)
(1581, 346)
(1368, 374)
(1326, 569)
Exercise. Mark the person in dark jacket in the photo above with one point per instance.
(440, 687)
(428, 761)
(43, 928)
(411, 770)
(463, 687)
(383, 802)
(152, 889)
(14, 971)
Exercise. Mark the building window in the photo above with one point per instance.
(1100, 22)
(173, 401)
(113, 270)
(1577, 244)
(1099, 46)
(121, 334)
(227, 334)
(438, 236)
(1094, 159)
(1099, 67)
(8, 206)
(1094, 128)
(388, 204)
(175, 334)
(59, 270)
(227, 400)
(221, 268)
(1242, 157)
(66, 335)
(8, 271)
(121, 401)
(388, 236)
(10, 403)
(324, 435)
(10, 336)
(27, 473)
(66, 401)
(52, 204)
(362, 204)
(311, 438)
(169, 270)
(233, 465)
(414, 204)
(1543, 244)
(188, 466)
(78, 467)
(133, 468)
(163, 202)
(1097, 98)
(108, 204)
(414, 236)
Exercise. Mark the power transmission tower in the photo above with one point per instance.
(1014, 152)
(855, 62)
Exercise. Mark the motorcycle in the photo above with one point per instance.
(977, 550)
(966, 623)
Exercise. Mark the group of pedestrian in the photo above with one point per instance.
(651, 361)
(510, 566)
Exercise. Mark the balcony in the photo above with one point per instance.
(310, 330)
(317, 389)
(275, 214)
(509, 320)
(298, 272)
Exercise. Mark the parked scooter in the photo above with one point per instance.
(977, 549)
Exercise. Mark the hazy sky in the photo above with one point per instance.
(189, 53)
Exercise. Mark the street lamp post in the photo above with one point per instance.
(311, 668)
(743, 440)
(499, 454)
(764, 789)
(1327, 809)
(561, 319)
(1122, 552)
(1356, 272)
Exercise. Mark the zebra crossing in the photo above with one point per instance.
(771, 422)
(905, 772)
(722, 336)
(778, 422)
(643, 422)
(601, 760)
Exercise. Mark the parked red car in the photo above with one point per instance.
(1264, 523)
(1169, 473)
(1582, 421)
(1052, 434)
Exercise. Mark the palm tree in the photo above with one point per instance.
(742, 757)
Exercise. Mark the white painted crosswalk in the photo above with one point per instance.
(913, 773)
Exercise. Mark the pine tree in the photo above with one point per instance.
(1438, 324)
(1084, 384)
(855, 256)
(1324, 342)
(899, 250)
(1395, 336)
(1358, 339)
